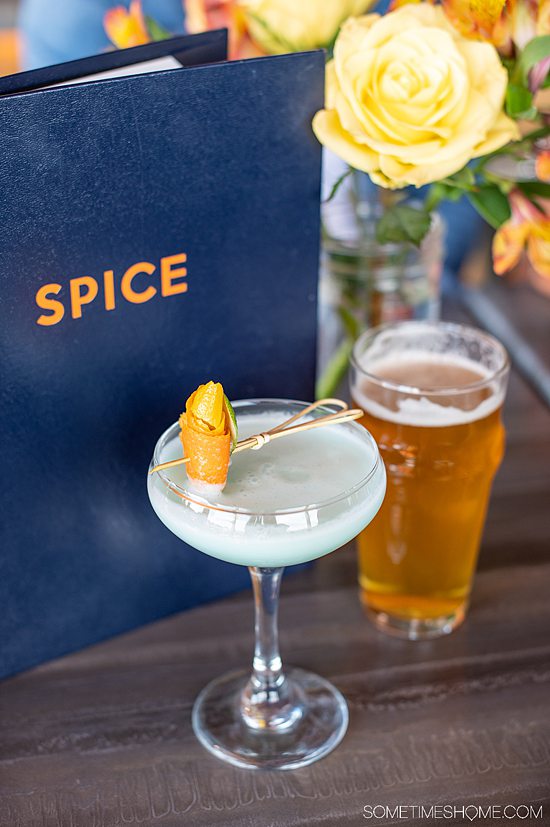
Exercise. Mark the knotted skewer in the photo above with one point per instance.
(286, 428)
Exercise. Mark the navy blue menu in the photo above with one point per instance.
(158, 230)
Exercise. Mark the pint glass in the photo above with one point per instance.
(432, 395)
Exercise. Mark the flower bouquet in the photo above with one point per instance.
(425, 94)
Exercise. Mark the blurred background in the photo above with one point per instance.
(36, 33)
(9, 57)
(8, 13)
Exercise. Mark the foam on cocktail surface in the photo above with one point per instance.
(283, 504)
(421, 409)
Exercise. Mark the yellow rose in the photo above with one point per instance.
(295, 25)
(411, 101)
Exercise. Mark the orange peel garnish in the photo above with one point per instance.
(205, 435)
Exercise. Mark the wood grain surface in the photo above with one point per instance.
(103, 738)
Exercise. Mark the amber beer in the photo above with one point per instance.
(432, 396)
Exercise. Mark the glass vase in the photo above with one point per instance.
(365, 283)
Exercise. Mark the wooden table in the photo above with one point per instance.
(103, 738)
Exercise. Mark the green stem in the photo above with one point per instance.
(458, 185)
(337, 184)
(329, 382)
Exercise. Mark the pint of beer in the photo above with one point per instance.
(432, 395)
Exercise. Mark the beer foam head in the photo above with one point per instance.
(433, 406)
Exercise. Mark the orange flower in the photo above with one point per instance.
(543, 165)
(126, 27)
(521, 21)
(505, 23)
(528, 227)
(202, 15)
(543, 18)
(479, 19)
(538, 248)
(396, 4)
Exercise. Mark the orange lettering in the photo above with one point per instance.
(53, 305)
(85, 289)
(168, 273)
(78, 298)
(109, 289)
(126, 284)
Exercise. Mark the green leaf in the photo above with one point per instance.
(528, 139)
(451, 188)
(403, 223)
(513, 149)
(536, 50)
(534, 188)
(156, 31)
(337, 184)
(436, 193)
(519, 102)
(464, 178)
(491, 204)
(441, 192)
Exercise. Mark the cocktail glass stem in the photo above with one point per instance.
(269, 701)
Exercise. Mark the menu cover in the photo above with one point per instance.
(158, 230)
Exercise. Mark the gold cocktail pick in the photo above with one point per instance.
(257, 441)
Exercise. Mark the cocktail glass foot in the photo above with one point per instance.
(284, 726)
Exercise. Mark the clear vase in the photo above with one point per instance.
(365, 283)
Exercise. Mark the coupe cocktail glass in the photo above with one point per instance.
(294, 500)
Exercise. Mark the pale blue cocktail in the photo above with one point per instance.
(292, 501)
